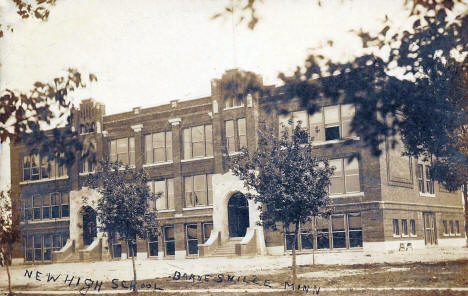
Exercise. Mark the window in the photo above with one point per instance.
(452, 228)
(87, 163)
(297, 116)
(47, 247)
(234, 101)
(230, 138)
(116, 249)
(332, 123)
(192, 239)
(36, 167)
(444, 223)
(158, 147)
(65, 205)
(198, 141)
(152, 245)
(132, 248)
(242, 132)
(198, 190)
(236, 135)
(338, 232)
(348, 183)
(413, 227)
(306, 236)
(328, 123)
(166, 201)
(207, 228)
(28, 208)
(169, 240)
(289, 237)
(56, 203)
(457, 227)
(355, 230)
(37, 207)
(425, 181)
(404, 227)
(45, 169)
(323, 241)
(123, 150)
(429, 181)
(46, 206)
(29, 248)
(396, 228)
(37, 247)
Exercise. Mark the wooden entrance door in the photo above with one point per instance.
(430, 234)
(238, 215)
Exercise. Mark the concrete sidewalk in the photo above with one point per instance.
(149, 269)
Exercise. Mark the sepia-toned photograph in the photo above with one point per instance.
(234, 147)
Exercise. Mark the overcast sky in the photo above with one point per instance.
(146, 53)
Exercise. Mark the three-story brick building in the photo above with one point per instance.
(380, 202)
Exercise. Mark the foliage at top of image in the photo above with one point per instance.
(38, 9)
(26, 116)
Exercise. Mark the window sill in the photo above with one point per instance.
(148, 165)
(234, 153)
(335, 141)
(234, 107)
(45, 220)
(198, 158)
(43, 180)
(413, 235)
(129, 167)
(396, 236)
(87, 173)
(197, 208)
(347, 195)
(426, 194)
(165, 211)
(404, 235)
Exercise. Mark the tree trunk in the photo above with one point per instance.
(6, 262)
(134, 270)
(294, 271)
(465, 199)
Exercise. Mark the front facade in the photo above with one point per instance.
(384, 202)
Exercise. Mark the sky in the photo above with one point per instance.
(146, 53)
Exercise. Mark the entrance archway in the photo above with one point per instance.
(238, 215)
(89, 225)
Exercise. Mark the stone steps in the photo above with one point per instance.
(228, 249)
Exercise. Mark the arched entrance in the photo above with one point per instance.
(238, 215)
(89, 225)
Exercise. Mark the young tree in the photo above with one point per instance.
(290, 185)
(9, 233)
(123, 209)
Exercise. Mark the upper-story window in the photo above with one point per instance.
(345, 178)
(198, 190)
(88, 162)
(37, 167)
(158, 147)
(166, 188)
(329, 123)
(234, 101)
(48, 206)
(425, 181)
(198, 141)
(123, 150)
(236, 135)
